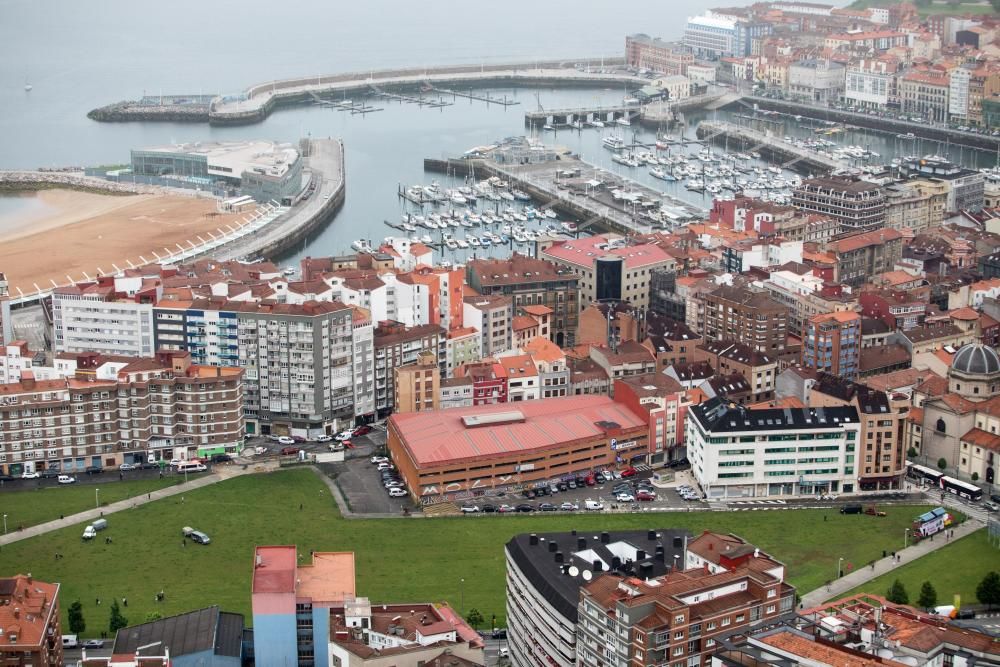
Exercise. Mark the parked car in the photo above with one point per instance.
(324, 438)
(547, 507)
(50, 474)
(470, 509)
(489, 509)
(593, 505)
(362, 430)
(563, 486)
(290, 451)
(30, 474)
(125, 467)
(195, 535)
(504, 509)
(625, 497)
(379, 459)
(89, 533)
(93, 643)
(645, 495)
(525, 507)
(285, 440)
(94, 470)
(344, 435)
(995, 497)
(991, 506)
(70, 641)
(630, 472)
(569, 507)
(397, 492)
(385, 466)
(66, 479)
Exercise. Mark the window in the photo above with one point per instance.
(939, 427)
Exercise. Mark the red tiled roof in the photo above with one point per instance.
(866, 239)
(981, 438)
(440, 436)
(584, 252)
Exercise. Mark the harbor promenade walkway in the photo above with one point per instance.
(864, 573)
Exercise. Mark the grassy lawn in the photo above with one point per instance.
(934, 8)
(397, 560)
(956, 568)
(46, 503)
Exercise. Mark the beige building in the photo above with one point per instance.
(418, 385)
(917, 207)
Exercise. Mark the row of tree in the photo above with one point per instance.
(116, 621)
(987, 592)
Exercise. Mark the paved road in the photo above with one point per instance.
(865, 574)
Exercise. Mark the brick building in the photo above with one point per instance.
(752, 317)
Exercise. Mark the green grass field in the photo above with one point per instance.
(934, 8)
(46, 503)
(955, 569)
(397, 559)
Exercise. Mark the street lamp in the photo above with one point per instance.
(97, 497)
(906, 534)
(462, 604)
(4, 524)
(840, 571)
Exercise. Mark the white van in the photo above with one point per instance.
(89, 533)
(70, 641)
(593, 505)
(191, 466)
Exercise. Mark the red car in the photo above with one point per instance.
(362, 430)
(645, 495)
(590, 480)
(285, 451)
(630, 472)
(347, 443)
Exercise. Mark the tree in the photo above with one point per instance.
(474, 618)
(988, 590)
(117, 621)
(897, 593)
(912, 451)
(975, 477)
(928, 596)
(153, 616)
(942, 464)
(76, 623)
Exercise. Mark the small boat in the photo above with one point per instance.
(613, 143)
(551, 214)
(660, 173)
(597, 123)
(408, 227)
(462, 243)
(290, 271)
(548, 128)
(485, 241)
(457, 198)
(473, 241)
(506, 196)
(623, 121)
(569, 226)
(521, 195)
(452, 244)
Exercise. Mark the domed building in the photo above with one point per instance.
(962, 425)
(975, 372)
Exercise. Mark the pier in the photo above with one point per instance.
(472, 97)
(596, 206)
(399, 97)
(562, 117)
(257, 102)
(772, 147)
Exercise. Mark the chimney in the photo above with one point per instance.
(651, 535)
(559, 556)
(553, 546)
(616, 563)
(605, 538)
(17, 612)
(640, 555)
(581, 543)
(598, 566)
(659, 553)
(533, 539)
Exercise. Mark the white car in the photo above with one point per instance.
(625, 498)
(393, 484)
(285, 440)
(344, 435)
(323, 438)
(385, 465)
(379, 459)
(397, 492)
(569, 507)
(30, 475)
(66, 479)
(592, 505)
(125, 467)
(470, 509)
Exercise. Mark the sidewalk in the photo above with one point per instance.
(111, 508)
(864, 573)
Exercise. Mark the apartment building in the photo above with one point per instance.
(543, 597)
(728, 357)
(860, 256)
(710, 36)
(455, 393)
(396, 346)
(112, 316)
(806, 295)
(739, 313)
(550, 362)
(654, 54)
(815, 80)
(15, 358)
(418, 385)
(965, 187)
(881, 454)
(609, 269)
(462, 346)
(870, 83)
(631, 616)
(918, 205)
(6, 326)
(737, 452)
(925, 94)
(489, 381)
(665, 402)
(29, 617)
(105, 411)
(857, 205)
(531, 282)
(309, 367)
(493, 317)
(832, 344)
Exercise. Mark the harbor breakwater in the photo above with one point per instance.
(258, 101)
(28, 181)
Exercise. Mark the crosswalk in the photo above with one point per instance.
(757, 502)
(642, 467)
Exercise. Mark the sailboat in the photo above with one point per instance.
(27, 86)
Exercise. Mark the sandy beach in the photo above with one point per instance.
(72, 232)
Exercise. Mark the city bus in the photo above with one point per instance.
(923, 473)
(961, 489)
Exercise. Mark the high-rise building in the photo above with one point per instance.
(396, 346)
(418, 385)
(710, 36)
(108, 316)
(6, 326)
(858, 205)
(751, 317)
(832, 343)
(29, 617)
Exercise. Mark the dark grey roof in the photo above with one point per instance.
(721, 416)
(194, 632)
(871, 326)
(561, 590)
(976, 360)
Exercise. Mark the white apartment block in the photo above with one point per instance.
(387, 296)
(6, 327)
(958, 93)
(772, 453)
(97, 318)
(868, 84)
(364, 363)
(710, 35)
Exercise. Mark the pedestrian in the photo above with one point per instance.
(149, 496)
(300, 507)
(824, 517)
(98, 602)
(121, 476)
(124, 602)
(61, 517)
(184, 542)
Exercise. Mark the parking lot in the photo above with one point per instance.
(106, 476)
